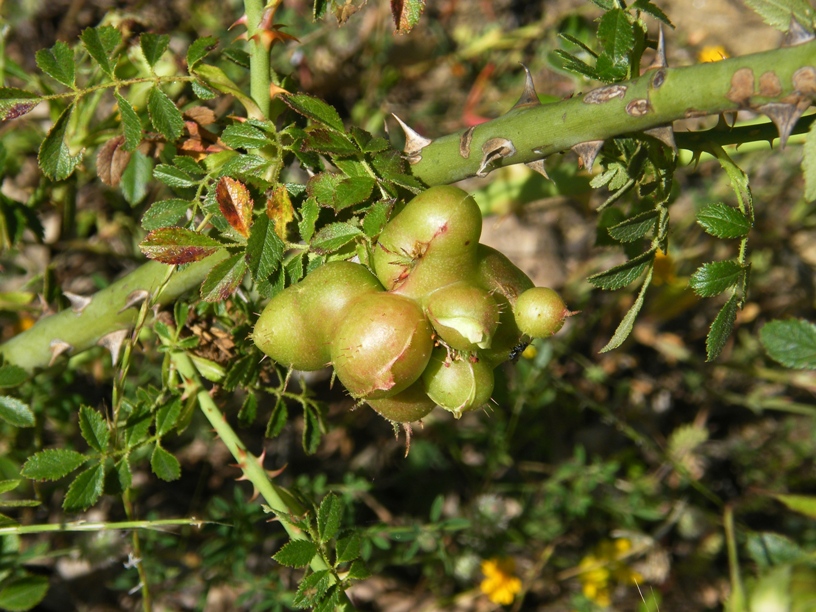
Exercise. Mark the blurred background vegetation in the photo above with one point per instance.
(594, 481)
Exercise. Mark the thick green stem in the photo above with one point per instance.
(258, 53)
(105, 313)
(657, 98)
(94, 526)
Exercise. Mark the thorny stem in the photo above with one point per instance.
(277, 498)
(258, 53)
(537, 130)
(86, 526)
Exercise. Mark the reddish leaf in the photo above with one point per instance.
(406, 14)
(279, 209)
(112, 160)
(176, 245)
(235, 203)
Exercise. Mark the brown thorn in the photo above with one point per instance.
(78, 302)
(135, 298)
(58, 347)
(660, 57)
(587, 152)
(538, 166)
(664, 134)
(255, 494)
(414, 142)
(529, 97)
(797, 34)
(113, 342)
(785, 116)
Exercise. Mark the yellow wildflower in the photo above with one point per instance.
(500, 584)
(663, 269)
(712, 53)
(605, 567)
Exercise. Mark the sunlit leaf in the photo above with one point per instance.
(199, 49)
(86, 489)
(628, 322)
(224, 278)
(778, 13)
(333, 236)
(164, 464)
(54, 156)
(100, 43)
(94, 428)
(791, 342)
(24, 593)
(634, 228)
(153, 46)
(164, 115)
(235, 203)
(804, 504)
(622, 275)
(315, 109)
(723, 221)
(16, 413)
(52, 464)
(296, 553)
(58, 63)
(177, 245)
(243, 136)
(264, 250)
(16, 102)
(167, 415)
(713, 278)
(131, 124)
(165, 213)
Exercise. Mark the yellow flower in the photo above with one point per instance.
(712, 53)
(604, 567)
(500, 585)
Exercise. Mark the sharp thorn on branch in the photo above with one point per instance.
(113, 343)
(414, 142)
(659, 60)
(58, 347)
(529, 97)
(784, 116)
(587, 152)
(797, 34)
(538, 166)
(78, 302)
(664, 134)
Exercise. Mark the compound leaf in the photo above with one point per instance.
(264, 251)
(333, 236)
(329, 515)
(625, 273)
(314, 109)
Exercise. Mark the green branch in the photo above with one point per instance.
(530, 132)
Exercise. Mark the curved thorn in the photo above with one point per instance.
(664, 134)
(660, 57)
(529, 97)
(135, 298)
(113, 343)
(784, 116)
(538, 166)
(587, 152)
(797, 34)
(58, 347)
(414, 142)
(78, 302)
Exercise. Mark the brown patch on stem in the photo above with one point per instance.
(638, 108)
(602, 95)
(494, 150)
(804, 81)
(464, 142)
(742, 86)
(769, 85)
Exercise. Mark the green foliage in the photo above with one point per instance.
(792, 343)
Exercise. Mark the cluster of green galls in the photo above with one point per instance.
(427, 328)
